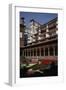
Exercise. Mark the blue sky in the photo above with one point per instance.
(39, 17)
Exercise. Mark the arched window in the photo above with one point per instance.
(46, 51)
(34, 52)
(42, 52)
(31, 52)
(51, 51)
(38, 52)
(56, 50)
(26, 52)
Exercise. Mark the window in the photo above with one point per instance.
(34, 52)
(51, 51)
(42, 52)
(26, 52)
(31, 53)
(46, 51)
(56, 50)
(38, 52)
